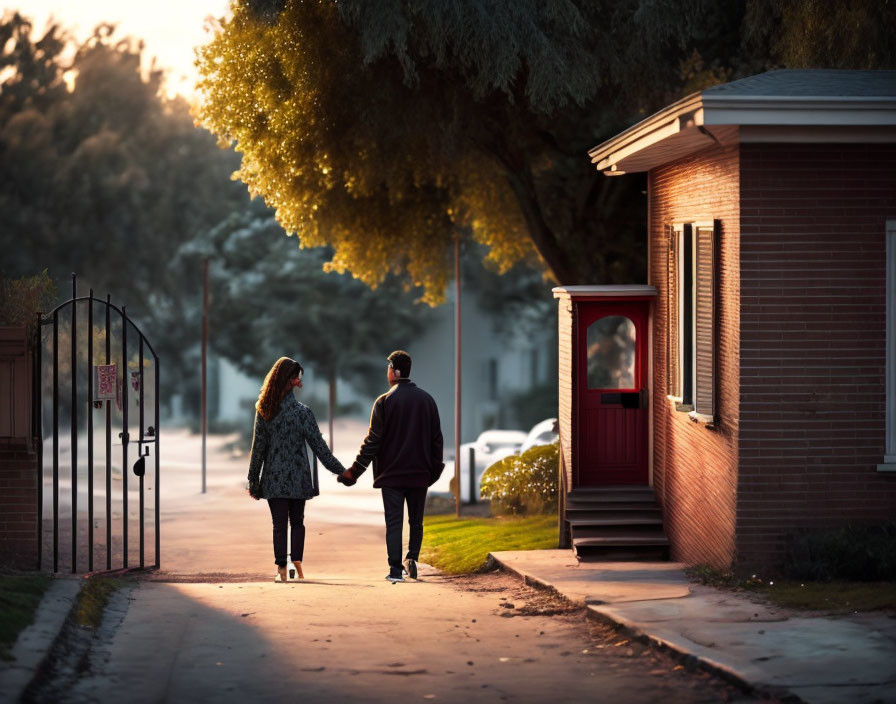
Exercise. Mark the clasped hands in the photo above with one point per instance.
(347, 477)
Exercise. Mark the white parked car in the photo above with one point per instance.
(543, 433)
(490, 446)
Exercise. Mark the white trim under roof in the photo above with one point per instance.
(718, 117)
(603, 291)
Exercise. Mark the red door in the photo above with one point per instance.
(612, 392)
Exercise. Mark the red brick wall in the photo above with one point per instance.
(695, 469)
(18, 507)
(812, 395)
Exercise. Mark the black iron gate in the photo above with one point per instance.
(106, 375)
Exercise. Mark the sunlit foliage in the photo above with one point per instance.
(385, 142)
(385, 128)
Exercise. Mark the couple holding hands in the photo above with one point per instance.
(404, 443)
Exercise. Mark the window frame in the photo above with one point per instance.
(683, 239)
(681, 244)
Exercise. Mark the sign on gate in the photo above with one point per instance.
(105, 382)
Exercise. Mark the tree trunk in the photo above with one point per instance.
(564, 271)
(332, 404)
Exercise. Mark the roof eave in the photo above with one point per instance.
(649, 131)
(699, 110)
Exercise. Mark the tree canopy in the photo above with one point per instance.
(384, 129)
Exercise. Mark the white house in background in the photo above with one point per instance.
(496, 367)
(233, 394)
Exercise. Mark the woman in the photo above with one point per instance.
(278, 465)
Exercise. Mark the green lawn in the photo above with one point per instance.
(19, 598)
(837, 597)
(92, 599)
(461, 545)
(833, 596)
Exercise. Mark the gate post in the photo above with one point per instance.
(18, 461)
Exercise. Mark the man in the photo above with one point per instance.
(404, 442)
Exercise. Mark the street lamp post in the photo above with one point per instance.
(204, 412)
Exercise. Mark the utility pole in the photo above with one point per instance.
(332, 403)
(204, 411)
(457, 374)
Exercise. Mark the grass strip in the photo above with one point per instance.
(841, 596)
(461, 545)
(92, 600)
(20, 596)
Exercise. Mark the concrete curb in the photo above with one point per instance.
(636, 632)
(35, 642)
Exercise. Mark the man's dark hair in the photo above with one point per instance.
(401, 362)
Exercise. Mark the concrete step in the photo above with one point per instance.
(598, 505)
(614, 511)
(612, 489)
(578, 523)
(612, 530)
(644, 553)
(631, 539)
(613, 494)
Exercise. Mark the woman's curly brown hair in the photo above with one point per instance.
(276, 385)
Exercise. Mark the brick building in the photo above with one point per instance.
(758, 388)
(18, 457)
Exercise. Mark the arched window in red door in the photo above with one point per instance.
(610, 344)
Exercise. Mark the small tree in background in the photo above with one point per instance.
(271, 298)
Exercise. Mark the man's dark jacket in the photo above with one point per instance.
(404, 440)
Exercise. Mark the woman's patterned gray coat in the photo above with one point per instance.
(278, 465)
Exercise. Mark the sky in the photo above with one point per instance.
(170, 29)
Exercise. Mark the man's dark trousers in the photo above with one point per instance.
(393, 506)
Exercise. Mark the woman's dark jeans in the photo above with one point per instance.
(294, 511)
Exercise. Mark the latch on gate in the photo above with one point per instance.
(140, 464)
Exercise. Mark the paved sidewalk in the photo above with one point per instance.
(32, 644)
(821, 660)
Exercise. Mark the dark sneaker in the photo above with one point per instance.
(394, 578)
(411, 566)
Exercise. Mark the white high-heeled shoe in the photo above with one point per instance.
(281, 575)
(294, 570)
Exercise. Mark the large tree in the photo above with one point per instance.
(386, 128)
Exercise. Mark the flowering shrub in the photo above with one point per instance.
(524, 484)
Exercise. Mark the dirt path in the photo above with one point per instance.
(213, 626)
(472, 639)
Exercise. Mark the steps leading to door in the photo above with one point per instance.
(616, 523)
